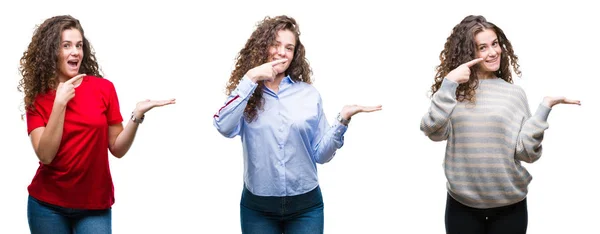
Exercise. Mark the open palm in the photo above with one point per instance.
(350, 110)
(147, 105)
(551, 101)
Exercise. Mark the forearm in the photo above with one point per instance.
(332, 140)
(436, 122)
(228, 117)
(49, 142)
(124, 140)
(529, 143)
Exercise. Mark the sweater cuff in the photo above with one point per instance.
(542, 112)
(448, 86)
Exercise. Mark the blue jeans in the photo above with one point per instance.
(275, 215)
(48, 218)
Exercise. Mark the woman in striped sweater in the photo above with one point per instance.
(489, 130)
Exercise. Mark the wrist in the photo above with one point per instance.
(547, 103)
(59, 105)
(345, 115)
(137, 117)
(137, 113)
(251, 77)
(343, 119)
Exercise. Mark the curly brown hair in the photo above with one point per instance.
(460, 48)
(39, 64)
(256, 53)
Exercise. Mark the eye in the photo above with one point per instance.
(79, 46)
(495, 44)
(290, 48)
(481, 48)
(66, 45)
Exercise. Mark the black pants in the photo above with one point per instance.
(462, 219)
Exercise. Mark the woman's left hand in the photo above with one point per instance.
(350, 110)
(551, 101)
(144, 106)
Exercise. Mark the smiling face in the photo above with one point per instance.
(488, 48)
(70, 54)
(283, 48)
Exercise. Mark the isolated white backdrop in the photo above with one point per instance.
(182, 176)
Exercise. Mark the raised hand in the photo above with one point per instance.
(66, 90)
(462, 73)
(144, 106)
(350, 110)
(551, 101)
(265, 71)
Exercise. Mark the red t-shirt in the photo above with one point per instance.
(79, 176)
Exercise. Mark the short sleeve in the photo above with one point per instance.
(113, 113)
(34, 119)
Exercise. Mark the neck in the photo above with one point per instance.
(274, 85)
(485, 75)
(62, 79)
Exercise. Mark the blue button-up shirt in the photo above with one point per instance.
(286, 140)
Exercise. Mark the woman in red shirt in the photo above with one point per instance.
(73, 116)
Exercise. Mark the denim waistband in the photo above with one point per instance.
(282, 205)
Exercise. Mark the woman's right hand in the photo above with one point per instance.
(265, 71)
(66, 90)
(462, 73)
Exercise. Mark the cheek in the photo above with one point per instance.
(479, 54)
(62, 56)
(272, 51)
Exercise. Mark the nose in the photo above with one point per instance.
(75, 51)
(281, 51)
(493, 52)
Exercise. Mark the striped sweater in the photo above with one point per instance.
(486, 141)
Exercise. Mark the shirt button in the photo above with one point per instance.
(280, 129)
(280, 146)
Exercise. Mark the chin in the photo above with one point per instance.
(70, 74)
(492, 69)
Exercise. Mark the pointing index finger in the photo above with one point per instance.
(273, 63)
(473, 62)
(74, 79)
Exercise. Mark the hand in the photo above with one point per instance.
(265, 72)
(350, 110)
(66, 90)
(462, 73)
(144, 106)
(551, 101)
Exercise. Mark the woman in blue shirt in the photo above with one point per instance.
(279, 116)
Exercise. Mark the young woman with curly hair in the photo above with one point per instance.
(73, 116)
(279, 116)
(489, 130)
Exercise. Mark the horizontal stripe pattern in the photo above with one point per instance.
(486, 140)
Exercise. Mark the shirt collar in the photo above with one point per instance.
(289, 79)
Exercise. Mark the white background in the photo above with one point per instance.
(182, 176)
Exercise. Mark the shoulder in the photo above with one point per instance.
(306, 86)
(516, 91)
(511, 87)
(98, 80)
(101, 84)
(308, 90)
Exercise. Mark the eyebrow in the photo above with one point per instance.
(70, 41)
(495, 39)
(278, 42)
